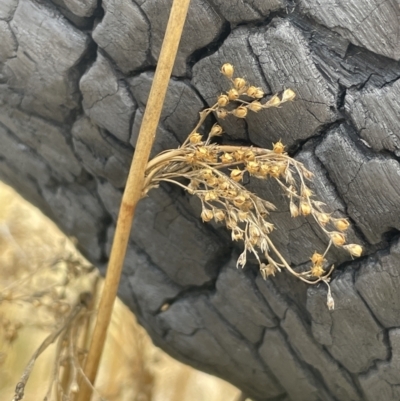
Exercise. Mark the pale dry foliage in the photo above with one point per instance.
(214, 173)
(42, 282)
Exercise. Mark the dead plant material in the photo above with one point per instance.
(214, 173)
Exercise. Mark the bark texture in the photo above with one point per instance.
(74, 77)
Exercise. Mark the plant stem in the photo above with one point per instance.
(133, 189)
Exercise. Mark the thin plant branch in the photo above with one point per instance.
(133, 189)
(20, 387)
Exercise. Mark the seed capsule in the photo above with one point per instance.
(267, 270)
(354, 249)
(210, 196)
(223, 100)
(233, 94)
(219, 215)
(255, 106)
(239, 83)
(323, 218)
(236, 175)
(216, 130)
(240, 112)
(252, 91)
(342, 224)
(249, 155)
(239, 200)
(288, 95)
(207, 215)
(278, 147)
(221, 113)
(317, 259)
(273, 102)
(239, 155)
(227, 70)
(317, 271)
(237, 234)
(337, 238)
(195, 138)
(305, 208)
(294, 210)
(227, 158)
(253, 167)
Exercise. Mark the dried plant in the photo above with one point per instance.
(214, 173)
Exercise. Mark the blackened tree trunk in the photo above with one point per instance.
(74, 82)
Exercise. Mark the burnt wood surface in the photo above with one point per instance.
(74, 79)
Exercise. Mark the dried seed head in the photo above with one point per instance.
(223, 185)
(239, 155)
(317, 259)
(248, 205)
(227, 158)
(341, 224)
(323, 218)
(222, 100)
(233, 94)
(273, 102)
(206, 173)
(288, 95)
(306, 192)
(294, 210)
(227, 70)
(267, 270)
(236, 175)
(239, 83)
(239, 200)
(210, 196)
(354, 249)
(195, 138)
(252, 167)
(212, 181)
(305, 208)
(221, 113)
(231, 224)
(219, 215)
(201, 153)
(255, 92)
(254, 231)
(251, 91)
(338, 239)
(207, 215)
(249, 155)
(231, 193)
(240, 112)
(274, 171)
(255, 106)
(278, 147)
(264, 169)
(237, 234)
(216, 130)
(317, 271)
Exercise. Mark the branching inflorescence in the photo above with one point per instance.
(214, 173)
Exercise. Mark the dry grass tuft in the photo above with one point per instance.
(42, 281)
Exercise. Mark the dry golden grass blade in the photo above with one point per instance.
(33, 251)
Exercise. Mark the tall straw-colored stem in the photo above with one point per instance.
(133, 189)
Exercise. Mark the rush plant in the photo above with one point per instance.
(214, 173)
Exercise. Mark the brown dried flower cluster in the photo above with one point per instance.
(214, 173)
